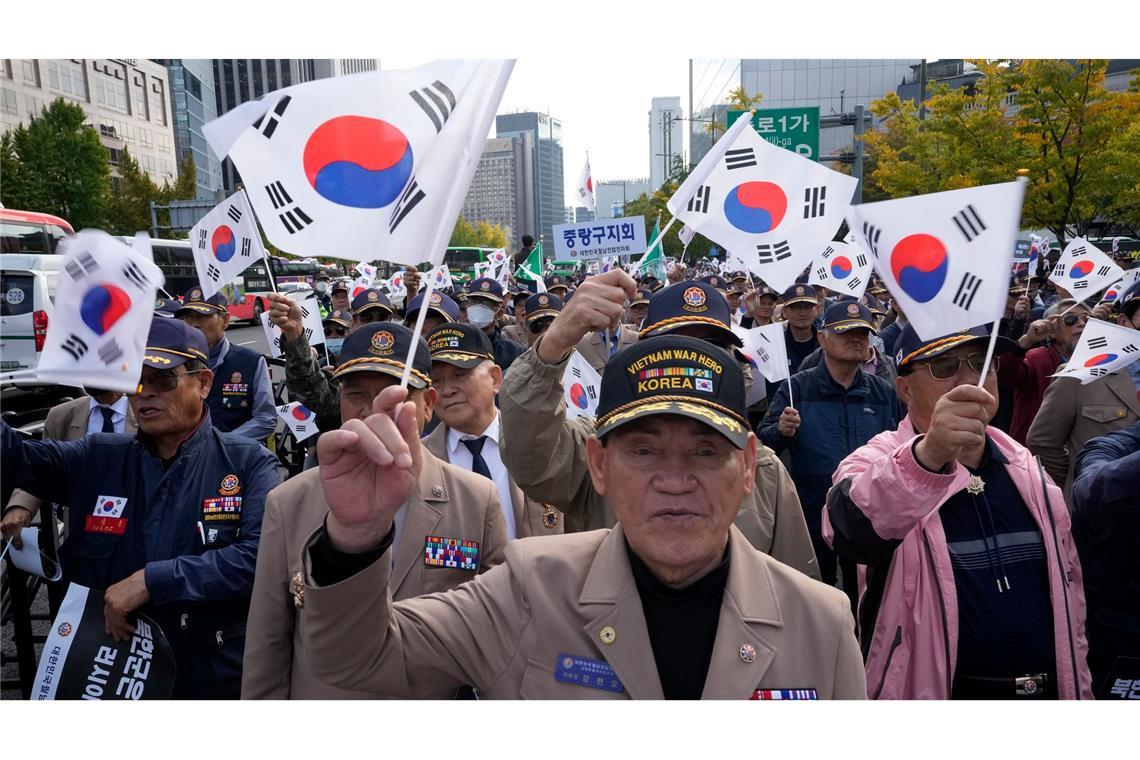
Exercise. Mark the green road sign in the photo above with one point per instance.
(796, 129)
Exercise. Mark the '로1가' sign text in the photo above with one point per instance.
(795, 129)
(602, 237)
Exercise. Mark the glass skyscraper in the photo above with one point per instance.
(549, 205)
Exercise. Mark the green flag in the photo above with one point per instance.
(532, 267)
(653, 262)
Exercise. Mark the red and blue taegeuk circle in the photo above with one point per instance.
(755, 206)
(108, 506)
(919, 263)
(578, 396)
(1080, 269)
(1110, 295)
(223, 243)
(102, 306)
(301, 412)
(841, 267)
(358, 161)
(1100, 360)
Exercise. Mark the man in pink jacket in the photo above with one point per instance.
(973, 588)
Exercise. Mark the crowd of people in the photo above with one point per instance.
(887, 523)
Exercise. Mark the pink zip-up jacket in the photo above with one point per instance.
(883, 508)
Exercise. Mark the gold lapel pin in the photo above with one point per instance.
(747, 652)
(607, 635)
(298, 585)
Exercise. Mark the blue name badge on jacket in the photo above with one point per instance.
(596, 674)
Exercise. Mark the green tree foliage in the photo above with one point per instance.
(478, 235)
(649, 206)
(56, 164)
(134, 190)
(738, 100)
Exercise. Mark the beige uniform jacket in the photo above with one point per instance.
(574, 595)
(515, 332)
(448, 502)
(593, 347)
(1071, 414)
(65, 422)
(546, 455)
(532, 518)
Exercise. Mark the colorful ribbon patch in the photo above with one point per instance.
(451, 552)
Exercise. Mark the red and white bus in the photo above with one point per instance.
(31, 231)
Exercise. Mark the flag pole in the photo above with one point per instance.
(996, 324)
(791, 403)
(416, 331)
(264, 253)
(1078, 303)
(657, 239)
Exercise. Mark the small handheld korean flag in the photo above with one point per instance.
(842, 267)
(225, 242)
(300, 420)
(580, 386)
(766, 351)
(685, 235)
(1104, 347)
(395, 286)
(103, 308)
(441, 277)
(359, 285)
(774, 208)
(310, 325)
(945, 257)
(1084, 269)
(585, 194)
(368, 166)
(367, 272)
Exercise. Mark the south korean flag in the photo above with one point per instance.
(843, 267)
(104, 303)
(310, 325)
(225, 242)
(945, 257)
(300, 420)
(1104, 348)
(440, 277)
(581, 384)
(774, 208)
(367, 272)
(1084, 270)
(368, 166)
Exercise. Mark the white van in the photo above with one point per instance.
(27, 294)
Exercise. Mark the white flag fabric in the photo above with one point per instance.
(368, 166)
(842, 267)
(580, 387)
(310, 324)
(766, 351)
(394, 285)
(685, 235)
(441, 277)
(586, 187)
(482, 268)
(1104, 347)
(1084, 269)
(945, 257)
(226, 242)
(104, 304)
(359, 285)
(773, 208)
(300, 420)
(367, 272)
(1121, 286)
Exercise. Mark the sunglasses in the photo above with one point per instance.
(1072, 319)
(539, 326)
(372, 315)
(162, 382)
(946, 367)
(336, 332)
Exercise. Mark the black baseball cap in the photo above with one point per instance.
(172, 342)
(166, 307)
(486, 288)
(643, 297)
(461, 344)
(848, 315)
(800, 294)
(371, 298)
(717, 282)
(556, 281)
(383, 347)
(338, 317)
(911, 348)
(1129, 302)
(675, 374)
(338, 285)
(441, 303)
(874, 305)
(686, 303)
(193, 301)
(542, 305)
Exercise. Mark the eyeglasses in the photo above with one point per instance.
(162, 382)
(335, 332)
(539, 325)
(1072, 319)
(372, 315)
(946, 367)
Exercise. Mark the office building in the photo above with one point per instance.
(666, 136)
(325, 68)
(127, 102)
(613, 194)
(193, 104)
(549, 193)
(502, 188)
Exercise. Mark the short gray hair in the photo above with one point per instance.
(1063, 304)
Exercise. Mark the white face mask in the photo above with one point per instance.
(480, 315)
(322, 287)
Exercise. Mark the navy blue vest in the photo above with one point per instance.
(235, 380)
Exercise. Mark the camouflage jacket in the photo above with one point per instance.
(307, 382)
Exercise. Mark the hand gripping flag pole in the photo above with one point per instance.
(995, 326)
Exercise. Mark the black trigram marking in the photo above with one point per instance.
(775, 252)
(1130, 348)
(591, 392)
(861, 260)
(576, 372)
(234, 213)
(301, 427)
(1098, 342)
(967, 289)
(1080, 284)
(813, 201)
(75, 346)
(277, 342)
(1059, 271)
(969, 223)
(202, 239)
(699, 203)
(765, 338)
(110, 352)
(853, 284)
(132, 272)
(1098, 371)
(821, 273)
(827, 252)
(1103, 271)
(871, 235)
(294, 219)
(213, 272)
(82, 266)
(442, 102)
(304, 311)
(272, 118)
(409, 200)
(740, 158)
(246, 247)
(1077, 252)
(308, 333)
(283, 409)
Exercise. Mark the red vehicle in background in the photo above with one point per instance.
(31, 231)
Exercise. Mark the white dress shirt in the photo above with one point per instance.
(95, 415)
(460, 456)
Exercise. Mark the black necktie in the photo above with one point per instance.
(108, 419)
(478, 464)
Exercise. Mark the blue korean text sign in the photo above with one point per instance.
(603, 237)
(795, 129)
